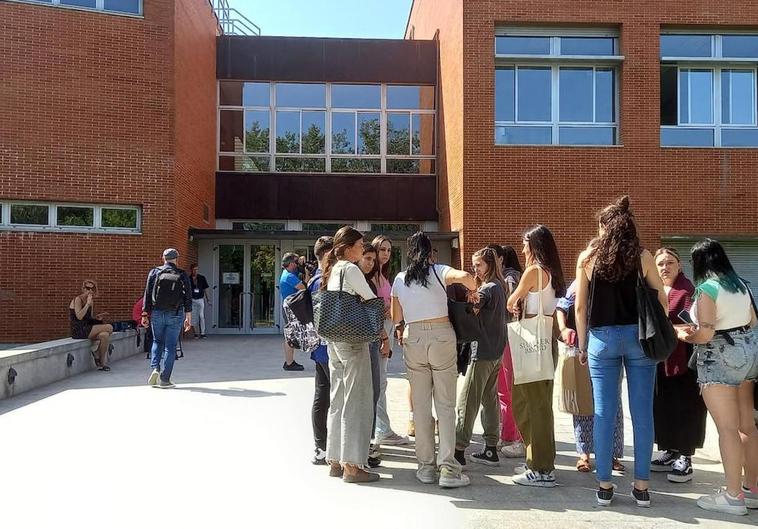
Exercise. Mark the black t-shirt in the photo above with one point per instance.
(199, 286)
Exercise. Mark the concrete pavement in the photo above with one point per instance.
(231, 446)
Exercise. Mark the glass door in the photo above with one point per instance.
(231, 282)
(262, 299)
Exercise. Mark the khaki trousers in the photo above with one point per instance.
(430, 357)
(533, 411)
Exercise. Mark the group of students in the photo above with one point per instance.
(717, 357)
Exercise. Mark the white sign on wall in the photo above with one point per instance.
(231, 278)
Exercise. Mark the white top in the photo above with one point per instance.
(354, 282)
(422, 303)
(549, 301)
(733, 309)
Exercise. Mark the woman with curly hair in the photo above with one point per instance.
(607, 329)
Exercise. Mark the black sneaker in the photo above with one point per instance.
(605, 496)
(681, 470)
(294, 366)
(642, 497)
(460, 456)
(319, 457)
(374, 462)
(664, 461)
(487, 457)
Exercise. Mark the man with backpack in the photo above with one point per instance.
(289, 283)
(168, 303)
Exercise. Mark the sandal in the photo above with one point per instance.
(104, 368)
(583, 465)
(618, 466)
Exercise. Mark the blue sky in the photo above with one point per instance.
(327, 18)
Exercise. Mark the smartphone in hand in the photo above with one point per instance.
(685, 317)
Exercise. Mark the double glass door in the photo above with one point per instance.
(247, 297)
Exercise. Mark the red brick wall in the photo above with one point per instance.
(87, 112)
(673, 191)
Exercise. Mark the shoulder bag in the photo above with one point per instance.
(656, 333)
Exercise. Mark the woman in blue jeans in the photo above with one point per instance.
(607, 328)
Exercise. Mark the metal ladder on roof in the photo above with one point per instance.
(232, 22)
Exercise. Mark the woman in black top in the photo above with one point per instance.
(607, 273)
(85, 326)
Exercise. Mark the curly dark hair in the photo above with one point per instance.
(617, 249)
(419, 262)
(545, 253)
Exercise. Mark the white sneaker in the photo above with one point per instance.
(722, 502)
(530, 478)
(427, 474)
(393, 439)
(520, 468)
(153, 380)
(514, 450)
(450, 479)
(751, 497)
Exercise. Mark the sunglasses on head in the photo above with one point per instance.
(89, 287)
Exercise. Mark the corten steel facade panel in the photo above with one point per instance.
(91, 104)
(331, 197)
(506, 188)
(327, 60)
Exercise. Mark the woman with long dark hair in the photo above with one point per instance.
(351, 408)
(419, 306)
(480, 381)
(533, 402)
(727, 367)
(608, 333)
(679, 412)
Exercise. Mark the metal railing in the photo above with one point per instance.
(232, 22)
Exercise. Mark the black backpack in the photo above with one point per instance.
(168, 289)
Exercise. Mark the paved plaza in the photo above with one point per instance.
(231, 447)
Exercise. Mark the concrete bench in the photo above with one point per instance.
(35, 365)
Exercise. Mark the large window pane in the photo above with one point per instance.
(75, 216)
(314, 132)
(230, 93)
(300, 95)
(505, 94)
(686, 137)
(669, 95)
(257, 131)
(79, 3)
(410, 97)
(588, 46)
(742, 46)
(230, 128)
(587, 136)
(576, 98)
(256, 95)
(737, 97)
(605, 96)
(686, 46)
(523, 135)
(356, 165)
(287, 131)
(29, 214)
(422, 134)
(695, 96)
(369, 133)
(398, 133)
(119, 218)
(356, 96)
(122, 6)
(534, 91)
(739, 137)
(343, 132)
(522, 45)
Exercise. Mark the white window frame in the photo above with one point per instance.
(329, 111)
(52, 218)
(99, 7)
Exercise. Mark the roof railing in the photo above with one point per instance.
(232, 22)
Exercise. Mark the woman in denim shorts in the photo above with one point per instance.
(726, 353)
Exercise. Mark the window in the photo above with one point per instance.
(708, 90)
(129, 7)
(543, 98)
(340, 128)
(69, 217)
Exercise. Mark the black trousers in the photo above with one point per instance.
(679, 413)
(321, 401)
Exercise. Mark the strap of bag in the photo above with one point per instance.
(342, 278)
(440, 281)
(752, 298)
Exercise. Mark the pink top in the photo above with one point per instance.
(384, 290)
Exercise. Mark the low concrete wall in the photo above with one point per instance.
(40, 364)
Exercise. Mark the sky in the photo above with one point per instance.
(327, 18)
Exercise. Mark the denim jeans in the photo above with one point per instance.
(166, 326)
(609, 348)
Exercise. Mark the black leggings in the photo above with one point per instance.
(321, 402)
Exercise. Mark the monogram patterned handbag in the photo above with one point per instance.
(346, 318)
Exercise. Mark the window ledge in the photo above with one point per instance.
(80, 231)
(561, 58)
(78, 8)
(720, 148)
(552, 145)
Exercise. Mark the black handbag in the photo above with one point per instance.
(656, 333)
(301, 304)
(466, 323)
(346, 318)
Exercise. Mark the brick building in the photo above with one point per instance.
(126, 130)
